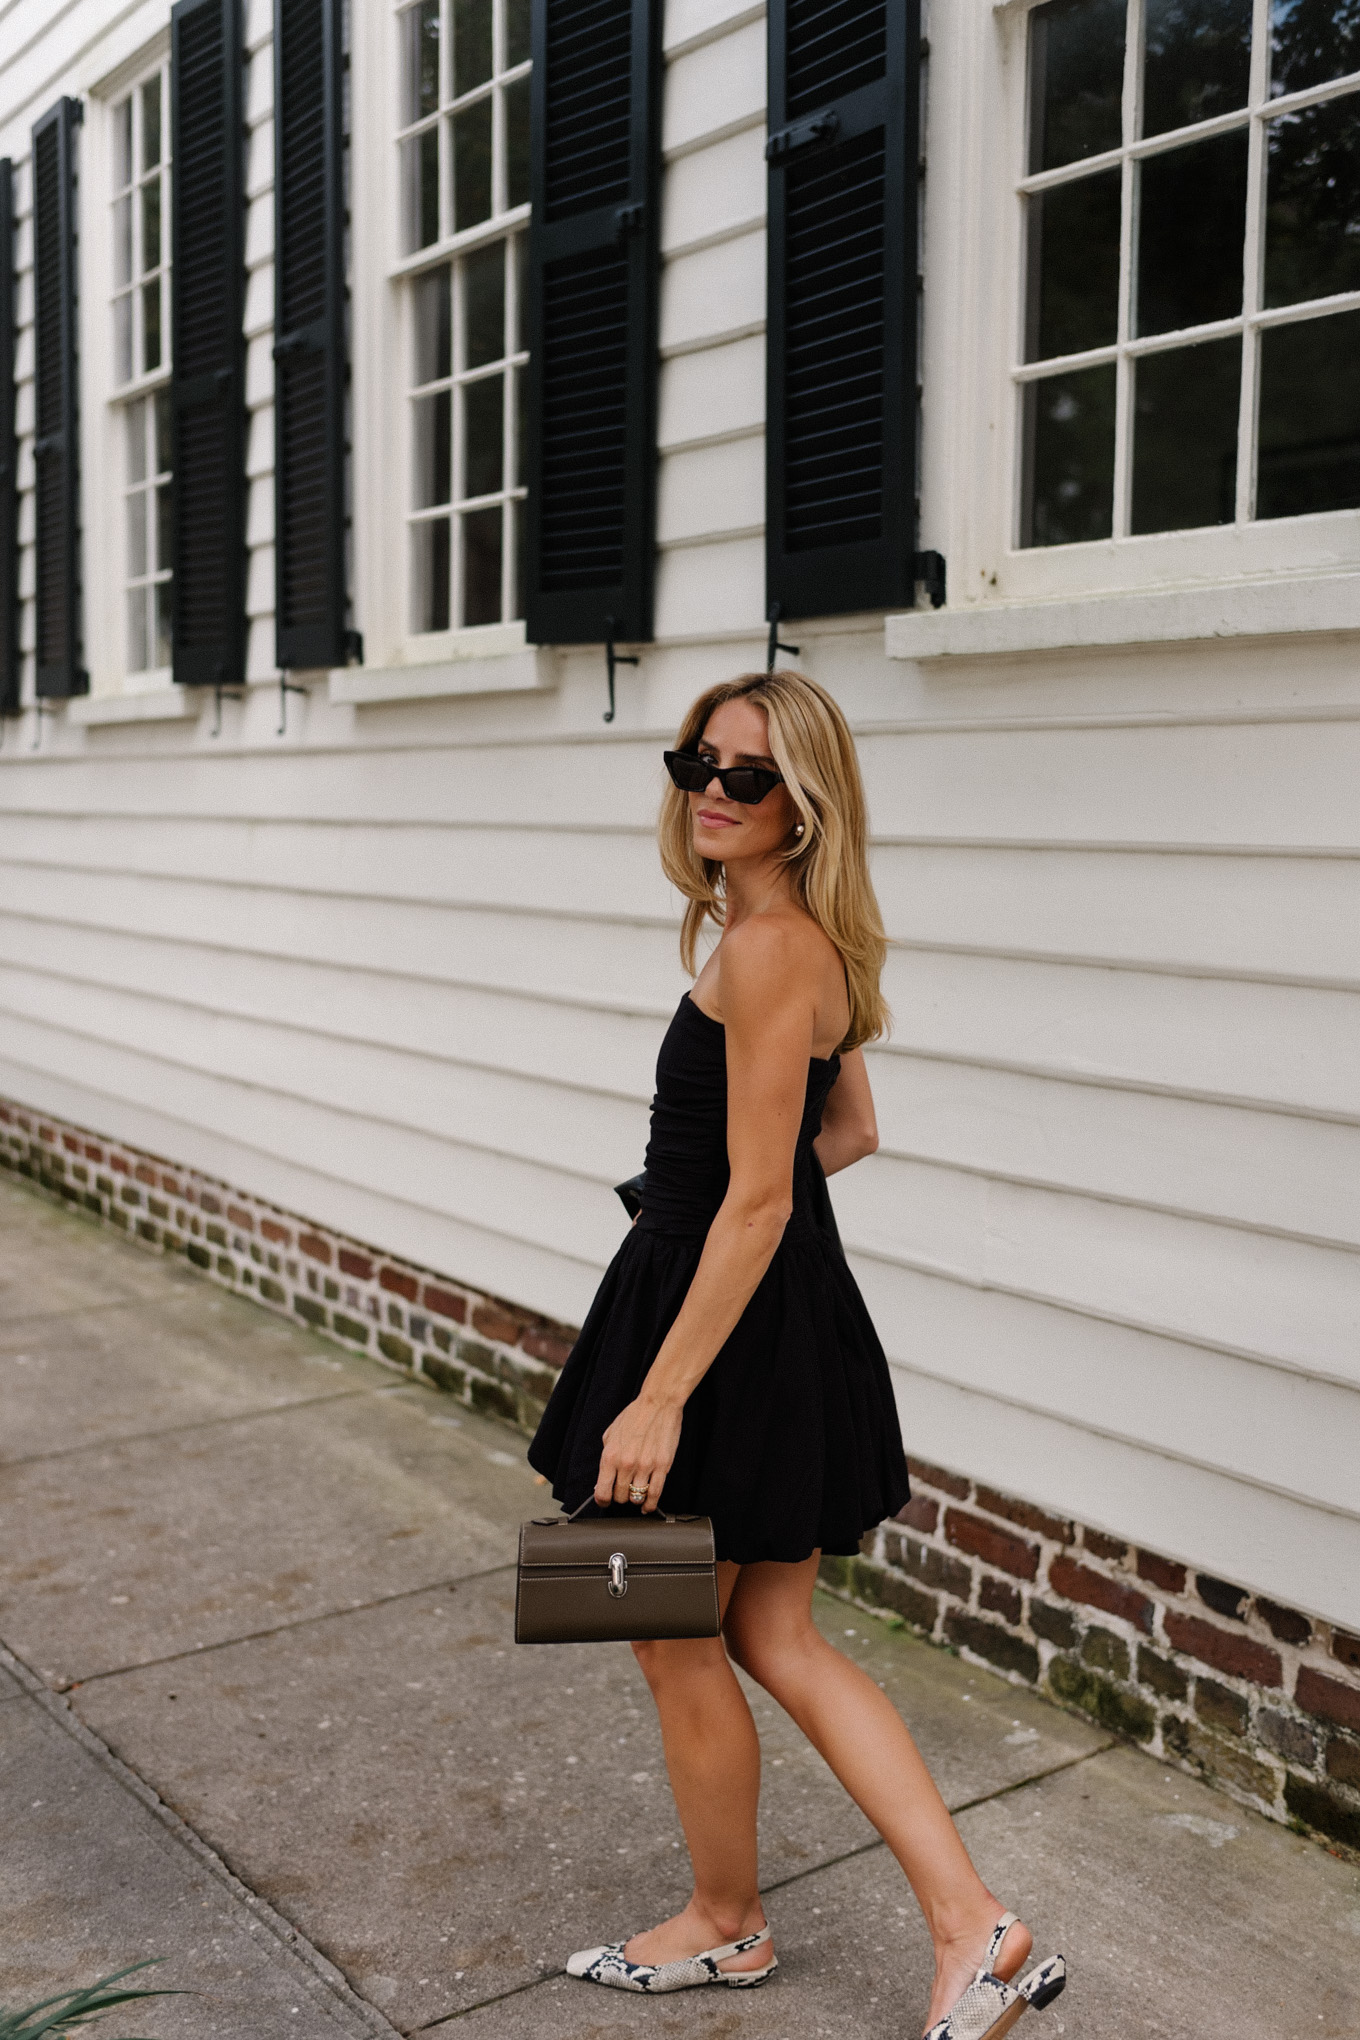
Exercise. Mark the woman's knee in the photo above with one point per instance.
(770, 1653)
(675, 1661)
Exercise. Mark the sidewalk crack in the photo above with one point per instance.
(199, 1424)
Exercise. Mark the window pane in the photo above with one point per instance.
(134, 427)
(430, 575)
(432, 451)
(122, 338)
(484, 436)
(122, 145)
(517, 143)
(484, 306)
(151, 325)
(151, 123)
(136, 534)
(472, 165)
(521, 262)
(1069, 457)
(162, 403)
(1076, 69)
(136, 618)
(122, 241)
(1197, 61)
(164, 597)
(521, 427)
(1313, 203)
(471, 44)
(419, 61)
(432, 325)
(151, 225)
(165, 528)
(1192, 219)
(481, 563)
(1311, 41)
(517, 534)
(420, 189)
(1310, 449)
(516, 33)
(1073, 266)
(1185, 437)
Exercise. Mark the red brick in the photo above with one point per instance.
(6, 1115)
(48, 1134)
(1101, 1546)
(1077, 1582)
(1025, 1514)
(209, 1202)
(118, 1163)
(501, 1321)
(93, 1153)
(1001, 1597)
(1240, 1656)
(1161, 1572)
(352, 1263)
(1328, 1697)
(987, 1541)
(920, 1514)
(278, 1233)
(399, 1283)
(69, 1141)
(935, 1476)
(315, 1247)
(549, 1346)
(146, 1174)
(446, 1302)
(22, 1119)
(171, 1186)
(241, 1218)
(1286, 1624)
(1345, 1648)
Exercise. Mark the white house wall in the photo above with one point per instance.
(405, 968)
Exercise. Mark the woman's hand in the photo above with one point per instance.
(639, 1447)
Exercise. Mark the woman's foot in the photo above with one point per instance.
(694, 1931)
(959, 1958)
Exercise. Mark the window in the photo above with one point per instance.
(464, 151)
(1192, 316)
(141, 348)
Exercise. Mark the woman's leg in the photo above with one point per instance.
(713, 1757)
(856, 1728)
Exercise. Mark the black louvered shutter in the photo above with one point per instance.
(56, 445)
(208, 377)
(9, 457)
(594, 262)
(309, 334)
(841, 349)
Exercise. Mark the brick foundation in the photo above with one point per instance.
(490, 1354)
(1259, 1698)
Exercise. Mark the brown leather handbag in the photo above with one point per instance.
(615, 1579)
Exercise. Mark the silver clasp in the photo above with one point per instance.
(618, 1575)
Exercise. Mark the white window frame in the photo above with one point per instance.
(383, 354)
(103, 399)
(976, 508)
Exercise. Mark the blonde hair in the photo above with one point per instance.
(810, 742)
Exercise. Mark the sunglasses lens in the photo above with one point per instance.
(690, 774)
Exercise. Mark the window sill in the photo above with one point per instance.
(532, 669)
(159, 704)
(1312, 604)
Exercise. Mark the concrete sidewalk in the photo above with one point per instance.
(261, 1715)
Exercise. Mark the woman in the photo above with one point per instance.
(728, 1362)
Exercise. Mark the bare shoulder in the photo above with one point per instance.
(778, 955)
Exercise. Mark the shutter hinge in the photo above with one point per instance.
(613, 659)
(928, 570)
(801, 136)
(354, 648)
(628, 220)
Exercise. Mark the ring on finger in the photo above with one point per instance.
(637, 1491)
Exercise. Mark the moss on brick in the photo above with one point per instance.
(1055, 1625)
(493, 1398)
(395, 1349)
(1220, 1706)
(986, 1640)
(1080, 1686)
(1324, 1810)
(273, 1292)
(201, 1258)
(1159, 1673)
(1219, 1758)
(349, 1328)
(446, 1374)
(311, 1312)
(1106, 1651)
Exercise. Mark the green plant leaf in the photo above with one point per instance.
(72, 2008)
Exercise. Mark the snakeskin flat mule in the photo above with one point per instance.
(989, 2008)
(611, 1966)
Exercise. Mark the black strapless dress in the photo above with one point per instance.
(791, 1441)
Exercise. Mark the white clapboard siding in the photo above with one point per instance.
(714, 89)
(728, 479)
(714, 391)
(1274, 1170)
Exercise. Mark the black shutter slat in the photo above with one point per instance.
(56, 444)
(9, 456)
(841, 340)
(594, 268)
(207, 58)
(310, 351)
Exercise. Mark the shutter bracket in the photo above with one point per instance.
(773, 648)
(801, 135)
(613, 659)
(929, 571)
(221, 691)
(287, 687)
(628, 220)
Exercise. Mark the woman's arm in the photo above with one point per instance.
(849, 1129)
(769, 1014)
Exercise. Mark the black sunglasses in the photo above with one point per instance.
(745, 784)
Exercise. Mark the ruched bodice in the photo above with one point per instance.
(790, 1442)
(686, 1170)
